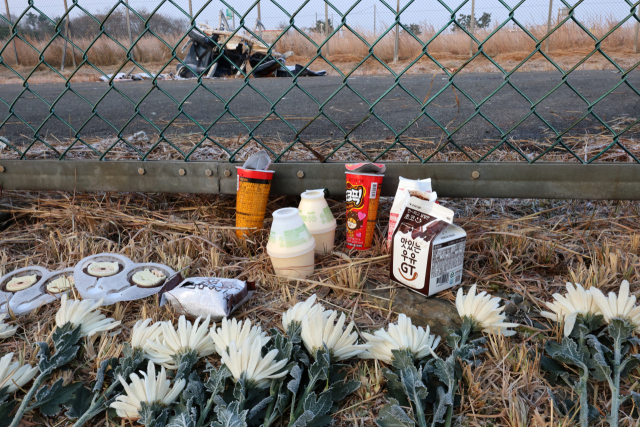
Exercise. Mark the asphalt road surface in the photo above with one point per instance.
(396, 110)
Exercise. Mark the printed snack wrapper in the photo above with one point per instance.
(405, 184)
(363, 197)
(204, 296)
(427, 250)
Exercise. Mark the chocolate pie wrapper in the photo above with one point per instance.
(427, 250)
(209, 296)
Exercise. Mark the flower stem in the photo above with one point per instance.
(25, 401)
(615, 390)
(205, 411)
(452, 389)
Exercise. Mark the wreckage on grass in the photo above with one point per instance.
(239, 53)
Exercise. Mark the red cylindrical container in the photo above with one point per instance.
(363, 196)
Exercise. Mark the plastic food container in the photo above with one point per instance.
(291, 245)
(317, 216)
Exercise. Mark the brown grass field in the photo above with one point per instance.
(508, 47)
(522, 250)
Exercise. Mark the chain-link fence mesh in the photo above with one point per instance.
(453, 69)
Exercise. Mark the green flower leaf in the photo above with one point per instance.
(445, 370)
(6, 407)
(402, 359)
(554, 369)
(185, 362)
(230, 416)
(51, 399)
(600, 369)
(217, 378)
(395, 389)
(392, 415)
(131, 360)
(65, 339)
(319, 369)
(260, 406)
(339, 391)
(80, 403)
(194, 393)
(153, 414)
(318, 406)
(444, 401)
(184, 415)
(102, 371)
(566, 352)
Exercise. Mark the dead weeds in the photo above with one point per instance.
(520, 250)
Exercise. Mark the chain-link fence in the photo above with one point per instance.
(470, 80)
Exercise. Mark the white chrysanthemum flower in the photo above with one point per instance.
(143, 333)
(247, 363)
(319, 330)
(403, 336)
(150, 389)
(484, 311)
(173, 343)
(13, 375)
(238, 332)
(5, 330)
(298, 311)
(85, 314)
(621, 306)
(566, 308)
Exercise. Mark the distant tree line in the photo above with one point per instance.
(42, 28)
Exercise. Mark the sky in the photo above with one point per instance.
(429, 12)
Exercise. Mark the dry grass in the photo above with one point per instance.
(521, 250)
(508, 47)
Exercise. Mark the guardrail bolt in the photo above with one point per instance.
(475, 174)
(300, 174)
(141, 171)
(227, 172)
(182, 172)
(1, 169)
(208, 172)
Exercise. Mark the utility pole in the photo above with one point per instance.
(397, 43)
(129, 29)
(374, 21)
(190, 9)
(473, 25)
(15, 50)
(67, 31)
(546, 47)
(260, 20)
(635, 41)
(234, 20)
(326, 27)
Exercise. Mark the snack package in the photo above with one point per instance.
(427, 251)
(113, 278)
(25, 289)
(204, 296)
(363, 196)
(423, 185)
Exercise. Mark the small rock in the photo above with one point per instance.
(440, 315)
(510, 308)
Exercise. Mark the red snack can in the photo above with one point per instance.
(363, 196)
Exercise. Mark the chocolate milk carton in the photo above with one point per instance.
(427, 250)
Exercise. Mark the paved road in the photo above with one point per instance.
(397, 108)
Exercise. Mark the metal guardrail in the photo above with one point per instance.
(531, 178)
(500, 180)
